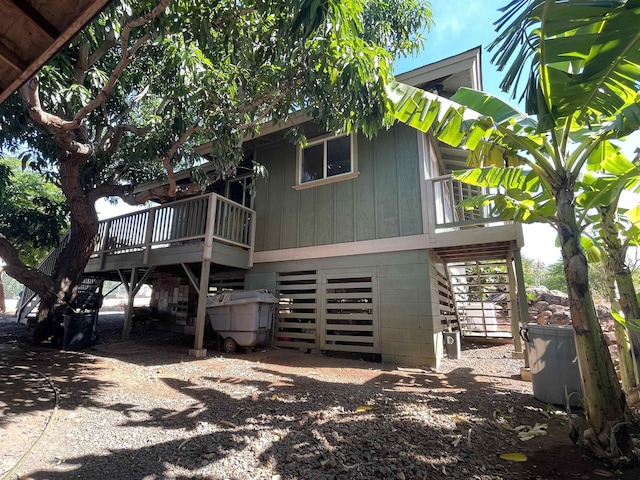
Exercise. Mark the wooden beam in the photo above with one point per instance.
(11, 59)
(90, 9)
(192, 277)
(124, 281)
(36, 18)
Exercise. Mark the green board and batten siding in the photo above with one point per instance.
(382, 202)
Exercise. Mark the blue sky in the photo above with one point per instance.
(460, 25)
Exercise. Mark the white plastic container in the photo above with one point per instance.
(242, 317)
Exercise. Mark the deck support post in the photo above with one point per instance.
(522, 295)
(515, 311)
(132, 288)
(128, 311)
(201, 314)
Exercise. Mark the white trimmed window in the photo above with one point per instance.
(326, 160)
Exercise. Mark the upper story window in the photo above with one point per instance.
(325, 159)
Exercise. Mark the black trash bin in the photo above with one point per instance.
(79, 330)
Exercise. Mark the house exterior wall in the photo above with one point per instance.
(383, 201)
(408, 327)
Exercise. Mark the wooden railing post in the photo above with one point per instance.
(252, 237)
(105, 242)
(431, 212)
(148, 236)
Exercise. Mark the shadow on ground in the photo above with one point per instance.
(163, 414)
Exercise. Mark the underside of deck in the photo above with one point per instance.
(174, 255)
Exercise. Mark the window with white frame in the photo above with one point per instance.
(326, 158)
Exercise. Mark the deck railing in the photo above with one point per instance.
(178, 223)
(444, 195)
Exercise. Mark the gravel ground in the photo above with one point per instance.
(143, 409)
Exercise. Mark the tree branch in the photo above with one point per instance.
(113, 143)
(166, 161)
(265, 113)
(30, 93)
(108, 44)
(160, 194)
(108, 88)
(81, 66)
(40, 283)
(127, 57)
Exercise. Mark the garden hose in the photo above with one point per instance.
(55, 409)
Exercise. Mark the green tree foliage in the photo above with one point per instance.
(130, 98)
(537, 273)
(34, 211)
(533, 271)
(554, 277)
(578, 64)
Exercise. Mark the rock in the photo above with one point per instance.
(603, 311)
(540, 306)
(559, 319)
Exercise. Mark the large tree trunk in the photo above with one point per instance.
(605, 404)
(73, 259)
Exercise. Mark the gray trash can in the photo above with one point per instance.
(78, 330)
(554, 363)
(452, 345)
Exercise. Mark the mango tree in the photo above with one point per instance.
(129, 99)
(582, 65)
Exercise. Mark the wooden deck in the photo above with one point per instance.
(477, 231)
(185, 231)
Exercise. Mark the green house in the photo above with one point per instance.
(362, 241)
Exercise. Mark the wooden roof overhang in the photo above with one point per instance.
(32, 31)
(480, 251)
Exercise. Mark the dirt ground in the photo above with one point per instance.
(144, 409)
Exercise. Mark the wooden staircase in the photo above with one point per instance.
(29, 299)
(482, 289)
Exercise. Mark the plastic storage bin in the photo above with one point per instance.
(554, 363)
(242, 317)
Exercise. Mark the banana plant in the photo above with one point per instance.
(579, 63)
(613, 234)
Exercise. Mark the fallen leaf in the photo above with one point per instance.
(528, 432)
(514, 457)
(458, 418)
(365, 408)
